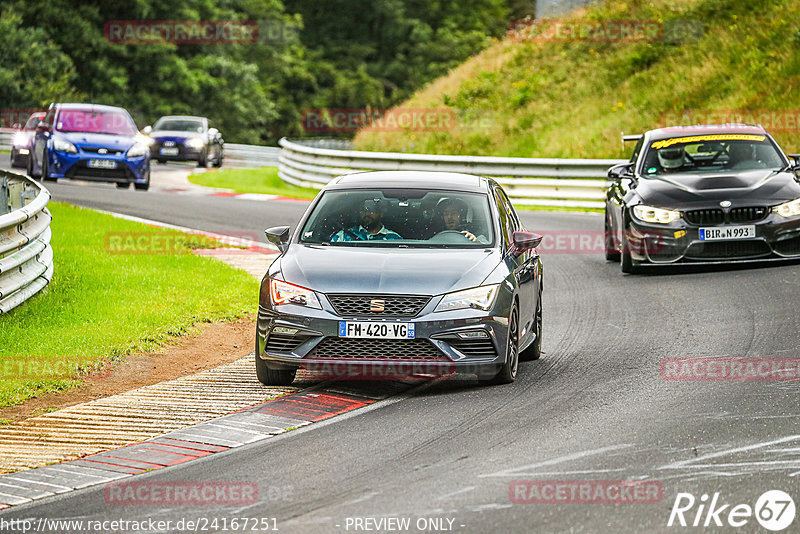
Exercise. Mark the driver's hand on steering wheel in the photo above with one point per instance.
(469, 235)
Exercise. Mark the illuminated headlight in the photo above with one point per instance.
(64, 146)
(285, 293)
(20, 139)
(655, 215)
(481, 298)
(137, 150)
(195, 142)
(788, 209)
(144, 139)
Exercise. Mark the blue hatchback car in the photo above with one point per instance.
(90, 142)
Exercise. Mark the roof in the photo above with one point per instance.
(704, 129)
(183, 117)
(93, 107)
(413, 179)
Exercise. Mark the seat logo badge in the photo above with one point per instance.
(725, 203)
(377, 305)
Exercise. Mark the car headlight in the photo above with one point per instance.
(655, 215)
(788, 209)
(285, 293)
(20, 139)
(137, 150)
(481, 298)
(195, 142)
(64, 146)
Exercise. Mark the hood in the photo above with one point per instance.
(175, 134)
(745, 188)
(94, 140)
(335, 269)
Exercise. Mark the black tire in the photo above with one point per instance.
(612, 254)
(203, 161)
(218, 159)
(534, 350)
(30, 166)
(123, 185)
(161, 161)
(272, 377)
(508, 372)
(46, 172)
(146, 185)
(626, 262)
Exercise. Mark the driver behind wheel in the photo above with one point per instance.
(451, 214)
(371, 227)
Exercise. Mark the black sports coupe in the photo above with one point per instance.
(402, 273)
(703, 194)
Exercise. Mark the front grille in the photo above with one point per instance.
(376, 349)
(394, 305)
(283, 343)
(788, 247)
(717, 216)
(475, 348)
(80, 170)
(708, 216)
(745, 215)
(728, 249)
(96, 150)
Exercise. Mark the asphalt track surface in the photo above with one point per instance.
(595, 407)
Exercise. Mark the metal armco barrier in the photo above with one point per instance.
(250, 155)
(579, 183)
(26, 258)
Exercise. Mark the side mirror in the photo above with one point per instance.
(524, 241)
(796, 158)
(278, 236)
(623, 170)
(147, 129)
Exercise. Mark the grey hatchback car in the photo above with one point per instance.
(395, 273)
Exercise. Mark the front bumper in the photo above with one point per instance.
(437, 348)
(776, 238)
(76, 166)
(185, 152)
(19, 156)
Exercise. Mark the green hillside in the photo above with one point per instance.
(572, 98)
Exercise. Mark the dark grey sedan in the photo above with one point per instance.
(392, 274)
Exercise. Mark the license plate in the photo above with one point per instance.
(102, 164)
(169, 151)
(720, 233)
(376, 330)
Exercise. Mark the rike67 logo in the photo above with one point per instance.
(774, 510)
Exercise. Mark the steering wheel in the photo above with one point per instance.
(445, 236)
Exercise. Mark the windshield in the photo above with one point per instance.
(179, 125)
(711, 154)
(105, 122)
(400, 217)
(33, 121)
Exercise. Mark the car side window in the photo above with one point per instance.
(637, 149)
(507, 216)
(49, 119)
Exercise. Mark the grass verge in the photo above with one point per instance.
(106, 302)
(262, 180)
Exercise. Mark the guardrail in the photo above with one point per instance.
(579, 183)
(250, 155)
(26, 258)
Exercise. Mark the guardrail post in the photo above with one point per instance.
(4, 205)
